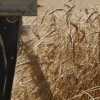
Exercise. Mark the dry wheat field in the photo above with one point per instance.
(59, 56)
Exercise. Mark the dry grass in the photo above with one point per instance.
(59, 58)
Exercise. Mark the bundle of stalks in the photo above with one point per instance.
(59, 59)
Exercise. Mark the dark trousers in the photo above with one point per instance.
(9, 33)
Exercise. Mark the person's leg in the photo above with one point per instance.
(9, 33)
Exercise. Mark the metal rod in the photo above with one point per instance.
(9, 33)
